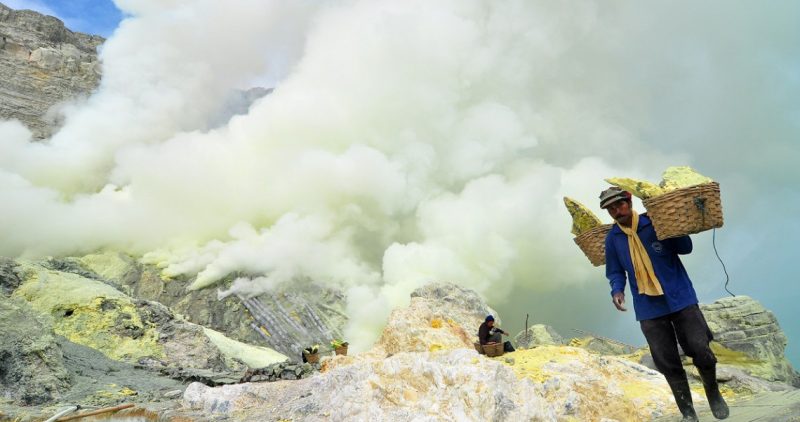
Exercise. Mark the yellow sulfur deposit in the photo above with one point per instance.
(639, 188)
(682, 177)
(673, 178)
(583, 220)
(596, 386)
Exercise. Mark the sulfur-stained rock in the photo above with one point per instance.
(681, 177)
(673, 178)
(639, 188)
(546, 383)
(452, 385)
(588, 386)
(286, 320)
(92, 313)
(583, 219)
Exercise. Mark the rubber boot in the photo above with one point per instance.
(683, 398)
(715, 401)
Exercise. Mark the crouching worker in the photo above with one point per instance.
(663, 299)
(489, 334)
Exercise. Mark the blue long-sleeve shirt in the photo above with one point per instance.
(678, 290)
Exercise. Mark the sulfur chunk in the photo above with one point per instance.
(583, 220)
(639, 188)
(682, 177)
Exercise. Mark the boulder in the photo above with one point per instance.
(441, 316)
(750, 338)
(602, 346)
(538, 335)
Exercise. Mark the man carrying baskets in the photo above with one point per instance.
(664, 299)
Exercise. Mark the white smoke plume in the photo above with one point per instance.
(404, 142)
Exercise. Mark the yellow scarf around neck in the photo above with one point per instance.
(646, 279)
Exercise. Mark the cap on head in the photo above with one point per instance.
(489, 318)
(613, 194)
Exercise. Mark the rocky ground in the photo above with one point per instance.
(89, 331)
(424, 367)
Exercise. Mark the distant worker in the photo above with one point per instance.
(664, 300)
(489, 334)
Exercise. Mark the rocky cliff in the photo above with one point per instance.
(42, 63)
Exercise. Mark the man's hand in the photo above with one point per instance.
(619, 301)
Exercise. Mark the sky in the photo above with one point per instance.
(98, 17)
(409, 142)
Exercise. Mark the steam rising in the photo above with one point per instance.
(404, 142)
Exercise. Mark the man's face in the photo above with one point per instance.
(490, 324)
(621, 212)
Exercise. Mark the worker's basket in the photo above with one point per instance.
(593, 244)
(311, 357)
(341, 350)
(685, 211)
(493, 349)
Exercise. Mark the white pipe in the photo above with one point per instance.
(63, 412)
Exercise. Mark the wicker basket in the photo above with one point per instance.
(341, 350)
(593, 244)
(492, 350)
(685, 211)
(311, 357)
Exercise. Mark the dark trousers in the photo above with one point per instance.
(689, 328)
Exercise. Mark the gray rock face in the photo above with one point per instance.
(42, 63)
(31, 363)
(238, 102)
(457, 297)
(297, 316)
(288, 320)
(743, 325)
(9, 279)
